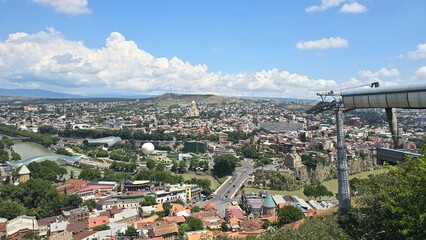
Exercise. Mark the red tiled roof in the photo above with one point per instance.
(176, 219)
(77, 183)
(98, 221)
(3, 227)
(83, 234)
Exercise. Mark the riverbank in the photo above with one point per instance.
(332, 185)
(29, 149)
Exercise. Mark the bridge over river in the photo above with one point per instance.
(68, 159)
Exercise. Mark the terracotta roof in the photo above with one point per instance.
(294, 225)
(159, 208)
(271, 218)
(199, 235)
(98, 221)
(155, 238)
(83, 234)
(150, 219)
(177, 208)
(210, 206)
(164, 229)
(311, 212)
(3, 227)
(176, 219)
(77, 183)
(61, 236)
(245, 234)
(49, 220)
(77, 226)
(251, 224)
(234, 220)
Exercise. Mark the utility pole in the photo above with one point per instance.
(336, 105)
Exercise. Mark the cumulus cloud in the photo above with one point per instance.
(353, 7)
(420, 52)
(72, 7)
(333, 42)
(48, 60)
(383, 72)
(325, 4)
(420, 74)
(349, 6)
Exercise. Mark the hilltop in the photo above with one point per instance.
(168, 99)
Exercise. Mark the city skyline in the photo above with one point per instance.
(289, 50)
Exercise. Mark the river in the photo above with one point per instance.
(31, 149)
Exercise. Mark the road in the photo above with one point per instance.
(226, 192)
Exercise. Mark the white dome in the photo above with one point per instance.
(148, 148)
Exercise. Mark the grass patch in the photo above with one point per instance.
(330, 185)
(214, 182)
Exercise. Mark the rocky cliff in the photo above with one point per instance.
(293, 179)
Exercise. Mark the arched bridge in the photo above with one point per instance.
(67, 159)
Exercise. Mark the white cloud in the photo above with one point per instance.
(47, 60)
(420, 74)
(420, 52)
(325, 4)
(72, 7)
(353, 7)
(383, 72)
(333, 42)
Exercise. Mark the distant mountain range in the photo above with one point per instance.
(169, 98)
(41, 93)
(35, 93)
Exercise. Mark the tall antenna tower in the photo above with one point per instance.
(336, 105)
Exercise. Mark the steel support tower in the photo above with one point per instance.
(336, 105)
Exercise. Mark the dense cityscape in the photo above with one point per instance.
(212, 120)
(168, 167)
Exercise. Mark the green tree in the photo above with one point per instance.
(90, 174)
(101, 228)
(224, 227)
(46, 170)
(224, 165)
(195, 209)
(31, 235)
(148, 201)
(159, 167)
(47, 129)
(166, 208)
(7, 140)
(392, 205)
(289, 214)
(150, 163)
(182, 167)
(10, 209)
(90, 203)
(131, 231)
(194, 223)
(63, 151)
(102, 153)
(250, 152)
(183, 228)
(316, 191)
(15, 156)
(72, 174)
(74, 200)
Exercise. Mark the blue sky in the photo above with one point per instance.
(251, 48)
